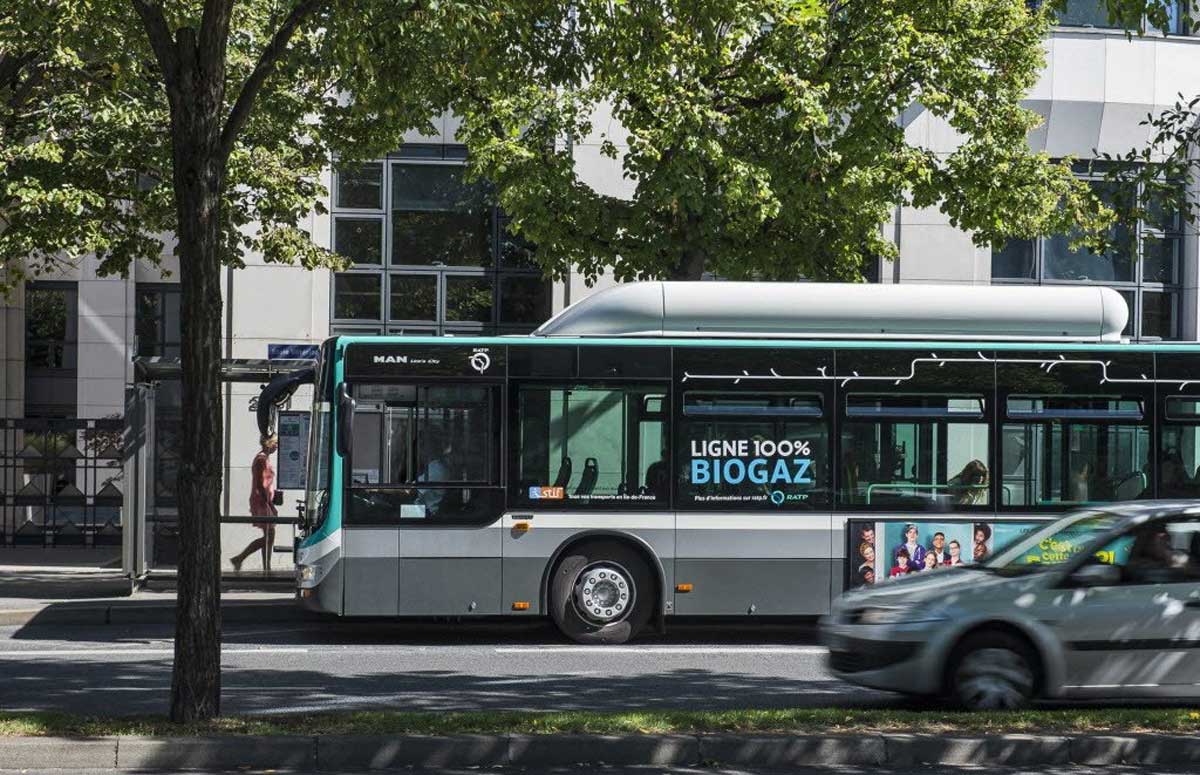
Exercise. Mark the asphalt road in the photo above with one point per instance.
(1056, 770)
(317, 666)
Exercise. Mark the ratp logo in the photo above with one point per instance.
(480, 361)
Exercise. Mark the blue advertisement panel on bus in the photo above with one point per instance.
(886, 549)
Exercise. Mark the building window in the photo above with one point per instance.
(1094, 14)
(433, 256)
(156, 321)
(51, 340)
(1143, 266)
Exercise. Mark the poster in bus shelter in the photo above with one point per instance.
(885, 549)
(293, 450)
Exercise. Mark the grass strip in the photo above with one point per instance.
(799, 720)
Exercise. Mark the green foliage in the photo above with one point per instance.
(86, 159)
(74, 106)
(765, 138)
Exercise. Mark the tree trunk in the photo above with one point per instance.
(690, 266)
(199, 171)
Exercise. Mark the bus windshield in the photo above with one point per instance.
(319, 441)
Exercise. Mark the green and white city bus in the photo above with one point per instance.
(724, 449)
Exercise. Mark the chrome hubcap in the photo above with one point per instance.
(604, 592)
(994, 679)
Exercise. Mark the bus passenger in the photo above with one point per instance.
(1080, 482)
(1173, 482)
(438, 471)
(262, 503)
(970, 485)
(658, 481)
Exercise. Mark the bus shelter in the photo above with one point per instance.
(153, 424)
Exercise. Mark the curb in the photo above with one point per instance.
(338, 753)
(133, 612)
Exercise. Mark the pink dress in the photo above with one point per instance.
(263, 481)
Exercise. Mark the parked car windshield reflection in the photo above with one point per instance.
(1051, 546)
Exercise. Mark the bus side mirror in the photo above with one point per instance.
(346, 406)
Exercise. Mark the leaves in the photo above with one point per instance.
(86, 164)
(758, 138)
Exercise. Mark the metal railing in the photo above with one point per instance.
(61, 482)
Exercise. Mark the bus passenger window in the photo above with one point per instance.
(753, 451)
(1179, 454)
(915, 451)
(1068, 450)
(594, 446)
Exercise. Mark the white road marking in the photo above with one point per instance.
(133, 652)
(654, 650)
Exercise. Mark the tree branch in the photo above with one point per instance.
(214, 31)
(239, 114)
(160, 38)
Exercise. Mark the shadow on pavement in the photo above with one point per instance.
(141, 687)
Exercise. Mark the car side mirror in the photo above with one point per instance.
(1096, 575)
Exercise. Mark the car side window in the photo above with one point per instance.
(1159, 552)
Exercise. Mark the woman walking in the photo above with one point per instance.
(262, 497)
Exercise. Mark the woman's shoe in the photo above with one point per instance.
(237, 565)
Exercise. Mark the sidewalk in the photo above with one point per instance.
(75, 595)
(352, 753)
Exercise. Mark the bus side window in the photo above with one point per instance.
(921, 451)
(587, 445)
(1076, 449)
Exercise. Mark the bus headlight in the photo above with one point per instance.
(306, 572)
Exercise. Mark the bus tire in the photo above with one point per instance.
(613, 582)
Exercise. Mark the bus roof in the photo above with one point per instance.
(845, 310)
(815, 344)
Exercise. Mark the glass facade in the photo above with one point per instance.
(432, 253)
(1143, 266)
(156, 320)
(51, 349)
(1094, 14)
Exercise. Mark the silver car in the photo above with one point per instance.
(1101, 603)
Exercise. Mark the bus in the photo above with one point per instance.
(724, 449)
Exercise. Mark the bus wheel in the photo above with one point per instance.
(601, 592)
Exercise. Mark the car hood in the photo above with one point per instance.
(939, 584)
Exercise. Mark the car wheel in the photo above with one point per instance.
(993, 671)
(601, 592)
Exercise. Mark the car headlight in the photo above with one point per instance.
(897, 615)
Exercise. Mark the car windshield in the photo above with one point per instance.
(1052, 545)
